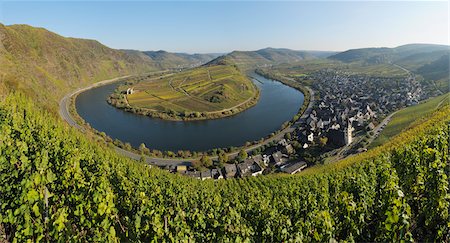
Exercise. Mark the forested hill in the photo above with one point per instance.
(58, 185)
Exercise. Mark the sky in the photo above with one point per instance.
(219, 27)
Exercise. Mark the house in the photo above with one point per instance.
(244, 168)
(278, 159)
(288, 149)
(193, 174)
(216, 174)
(130, 91)
(230, 170)
(370, 127)
(205, 175)
(181, 168)
(283, 142)
(293, 168)
(258, 158)
(261, 159)
(256, 169)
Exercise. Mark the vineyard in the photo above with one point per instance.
(204, 92)
(57, 185)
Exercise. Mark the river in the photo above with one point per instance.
(278, 103)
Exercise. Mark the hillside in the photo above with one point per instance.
(407, 116)
(268, 56)
(205, 92)
(45, 65)
(60, 186)
(167, 60)
(399, 54)
(429, 61)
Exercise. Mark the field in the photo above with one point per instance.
(405, 117)
(206, 89)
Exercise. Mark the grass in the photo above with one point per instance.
(204, 89)
(405, 117)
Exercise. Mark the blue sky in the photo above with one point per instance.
(213, 26)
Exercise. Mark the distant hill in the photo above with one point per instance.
(269, 56)
(166, 59)
(45, 65)
(417, 52)
(429, 61)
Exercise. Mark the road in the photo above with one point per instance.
(65, 114)
(65, 101)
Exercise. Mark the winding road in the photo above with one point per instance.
(65, 114)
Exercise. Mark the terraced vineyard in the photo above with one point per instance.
(59, 186)
(201, 92)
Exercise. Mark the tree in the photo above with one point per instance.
(197, 164)
(288, 136)
(127, 146)
(180, 153)
(323, 141)
(242, 155)
(206, 161)
(223, 158)
(143, 149)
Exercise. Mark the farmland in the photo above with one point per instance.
(200, 93)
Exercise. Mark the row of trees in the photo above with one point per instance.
(58, 185)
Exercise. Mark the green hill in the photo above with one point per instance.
(431, 62)
(58, 185)
(398, 54)
(268, 56)
(167, 60)
(45, 65)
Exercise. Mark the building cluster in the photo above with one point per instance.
(351, 103)
(277, 158)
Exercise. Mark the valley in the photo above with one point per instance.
(270, 145)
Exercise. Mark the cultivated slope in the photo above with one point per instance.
(58, 185)
(205, 92)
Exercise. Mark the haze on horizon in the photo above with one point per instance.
(219, 27)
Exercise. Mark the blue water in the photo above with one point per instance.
(278, 103)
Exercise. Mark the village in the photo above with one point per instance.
(350, 104)
(279, 160)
